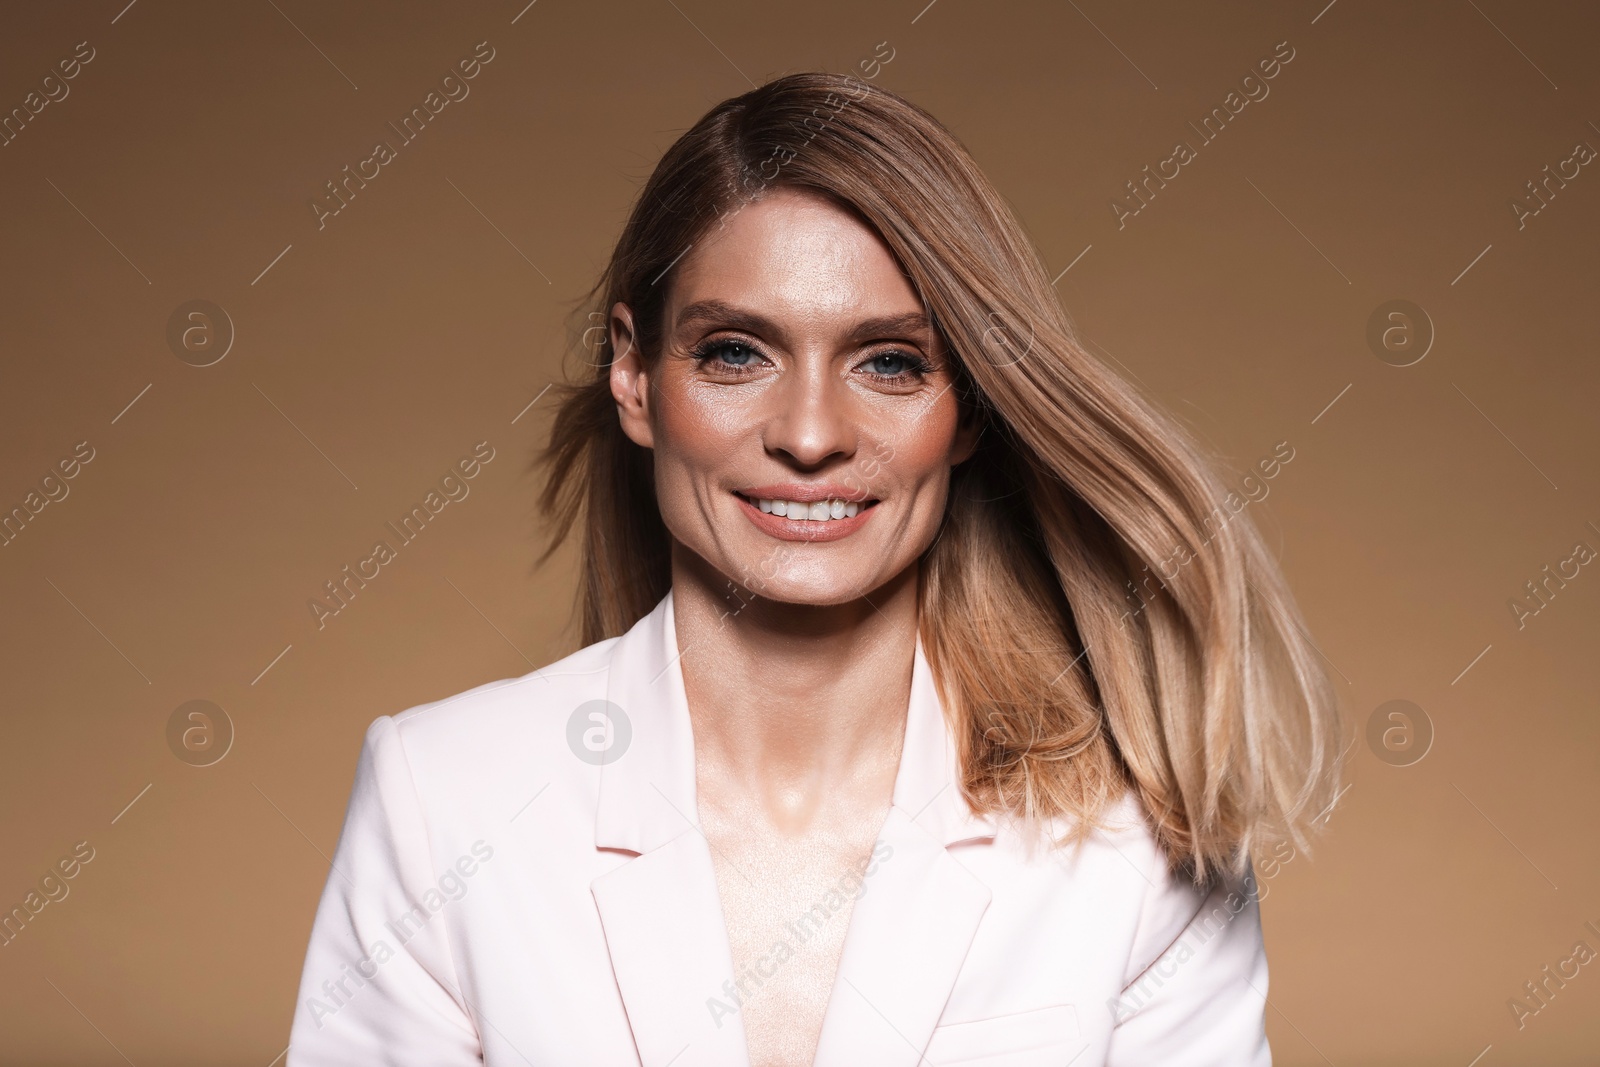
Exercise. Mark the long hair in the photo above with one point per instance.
(1096, 618)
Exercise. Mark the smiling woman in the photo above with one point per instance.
(801, 409)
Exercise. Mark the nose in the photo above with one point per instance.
(811, 420)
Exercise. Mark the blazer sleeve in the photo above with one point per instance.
(1196, 986)
(379, 988)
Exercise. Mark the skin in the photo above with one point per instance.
(796, 656)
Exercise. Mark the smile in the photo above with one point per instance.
(806, 520)
(820, 511)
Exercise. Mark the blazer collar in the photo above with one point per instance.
(647, 793)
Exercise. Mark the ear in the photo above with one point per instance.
(630, 383)
(969, 428)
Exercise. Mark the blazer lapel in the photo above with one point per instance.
(661, 911)
(910, 931)
(669, 950)
(908, 934)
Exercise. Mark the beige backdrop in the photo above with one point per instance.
(374, 348)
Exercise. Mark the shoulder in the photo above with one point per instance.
(1169, 913)
(1192, 943)
(484, 745)
(488, 713)
(1194, 977)
(1121, 852)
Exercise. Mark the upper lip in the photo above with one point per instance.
(805, 493)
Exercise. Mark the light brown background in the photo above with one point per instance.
(427, 315)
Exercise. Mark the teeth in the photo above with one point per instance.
(819, 511)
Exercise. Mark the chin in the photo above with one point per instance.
(822, 591)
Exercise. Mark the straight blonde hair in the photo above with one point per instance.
(1095, 619)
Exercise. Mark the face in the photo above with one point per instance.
(800, 410)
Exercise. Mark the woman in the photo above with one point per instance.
(933, 702)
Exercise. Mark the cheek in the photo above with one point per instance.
(698, 430)
(697, 411)
(917, 448)
(699, 438)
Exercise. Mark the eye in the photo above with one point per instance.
(895, 364)
(727, 354)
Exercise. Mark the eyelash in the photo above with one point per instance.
(706, 350)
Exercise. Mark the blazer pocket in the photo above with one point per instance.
(1022, 1039)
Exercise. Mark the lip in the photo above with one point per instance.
(786, 529)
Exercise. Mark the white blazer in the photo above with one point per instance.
(499, 898)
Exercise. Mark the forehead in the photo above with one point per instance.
(798, 254)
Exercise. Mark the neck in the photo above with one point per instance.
(793, 704)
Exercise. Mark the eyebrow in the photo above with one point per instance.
(729, 316)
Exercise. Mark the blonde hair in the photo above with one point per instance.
(1065, 686)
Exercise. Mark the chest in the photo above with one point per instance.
(787, 904)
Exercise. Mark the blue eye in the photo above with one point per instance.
(898, 363)
(733, 353)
